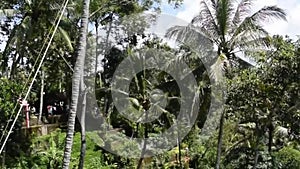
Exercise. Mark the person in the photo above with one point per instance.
(33, 110)
(61, 103)
(20, 100)
(50, 110)
(60, 108)
(26, 110)
(54, 108)
(67, 108)
(24, 104)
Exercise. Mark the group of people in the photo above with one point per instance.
(27, 107)
(57, 108)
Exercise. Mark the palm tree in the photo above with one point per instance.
(36, 18)
(77, 76)
(82, 122)
(232, 29)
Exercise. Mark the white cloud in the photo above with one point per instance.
(190, 8)
(290, 27)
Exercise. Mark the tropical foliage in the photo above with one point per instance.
(260, 121)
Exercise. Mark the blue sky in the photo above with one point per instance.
(169, 9)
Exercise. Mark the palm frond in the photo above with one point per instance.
(250, 45)
(268, 13)
(242, 9)
(182, 33)
(247, 31)
(250, 29)
(66, 37)
(178, 33)
(255, 43)
(191, 36)
(206, 20)
(15, 38)
(213, 4)
(223, 14)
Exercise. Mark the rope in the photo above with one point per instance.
(36, 73)
(67, 63)
(27, 80)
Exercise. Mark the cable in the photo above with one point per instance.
(28, 78)
(67, 63)
(31, 72)
(32, 82)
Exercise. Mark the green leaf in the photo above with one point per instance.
(134, 101)
(67, 38)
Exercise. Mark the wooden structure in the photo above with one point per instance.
(43, 128)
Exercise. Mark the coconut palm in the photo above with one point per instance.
(77, 76)
(232, 28)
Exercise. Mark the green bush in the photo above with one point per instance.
(288, 158)
(47, 152)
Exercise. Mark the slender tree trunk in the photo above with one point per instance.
(82, 122)
(271, 129)
(146, 108)
(179, 148)
(76, 83)
(14, 66)
(97, 49)
(140, 164)
(41, 98)
(256, 146)
(220, 139)
(137, 130)
(60, 82)
(255, 158)
(270, 137)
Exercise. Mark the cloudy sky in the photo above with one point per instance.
(191, 7)
(292, 27)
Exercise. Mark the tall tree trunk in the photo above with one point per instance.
(140, 164)
(220, 139)
(82, 122)
(179, 147)
(60, 81)
(256, 146)
(146, 106)
(76, 83)
(41, 98)
(97, 49)
(16, 60)
(271, 128)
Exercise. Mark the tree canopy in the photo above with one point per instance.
(86, 121)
